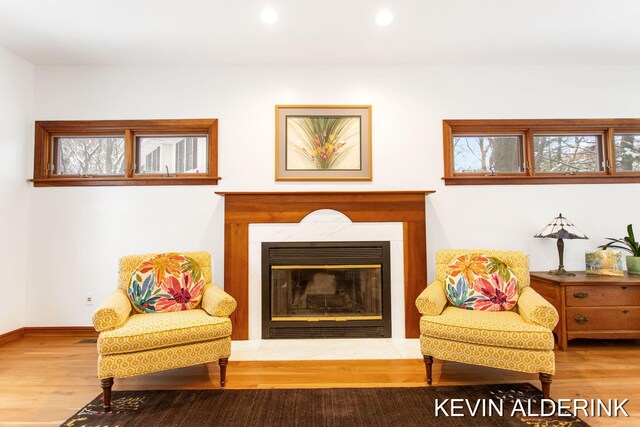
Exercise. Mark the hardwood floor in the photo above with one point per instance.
(45, 380)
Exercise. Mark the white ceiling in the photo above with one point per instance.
(322, 32)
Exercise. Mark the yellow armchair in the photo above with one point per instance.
(133, 344)
(519, 340)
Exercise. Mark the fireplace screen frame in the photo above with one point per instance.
(322, 254)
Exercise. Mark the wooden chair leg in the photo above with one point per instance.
(223, 371)
(428, 363)
(106, 384)
(546, 379)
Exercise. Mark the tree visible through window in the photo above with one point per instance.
(491, 154)
(541, 151)
(89, 156)
(567, 153)
(126, 152)
(627, 153)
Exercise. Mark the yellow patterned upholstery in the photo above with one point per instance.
(432, 300)
(142, 343)
(519, 340)
(144, 362)
(151, 331)
(113, 312)
(537, 310)
(492, 328)
(217, 302)
(513, 359)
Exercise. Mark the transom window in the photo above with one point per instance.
(186, 154)
(627, 152)
(541, 151)
(567, 154)
(488, 154)
(100, 155)
(129, 152)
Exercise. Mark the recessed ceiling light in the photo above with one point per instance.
(384, 17)
(269, 15)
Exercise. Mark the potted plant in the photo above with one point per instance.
(629, 244)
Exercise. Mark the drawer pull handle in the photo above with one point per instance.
(623, 287)
(581, 295)
(581, 319)
(625, 311)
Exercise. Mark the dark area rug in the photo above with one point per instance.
(405, 407)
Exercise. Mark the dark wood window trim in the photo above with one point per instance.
(607, 127)
(46, 131)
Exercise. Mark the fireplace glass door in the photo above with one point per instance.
(326, 290)
(329, 292)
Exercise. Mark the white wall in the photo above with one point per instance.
(16, 141)
(79, 233)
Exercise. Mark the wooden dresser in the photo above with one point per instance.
(592, 306)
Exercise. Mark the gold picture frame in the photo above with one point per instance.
(323, 143)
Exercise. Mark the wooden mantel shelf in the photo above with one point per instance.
(244, 208)
(324, 193)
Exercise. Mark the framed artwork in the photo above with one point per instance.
(604, 263)
(323, 143)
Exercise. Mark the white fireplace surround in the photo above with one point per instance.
(326, 225)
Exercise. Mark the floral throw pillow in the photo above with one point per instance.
(480, 282)
(166, 282)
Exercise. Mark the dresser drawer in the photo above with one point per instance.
(604, 318)
(603, 295)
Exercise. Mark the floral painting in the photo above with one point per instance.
(323, 143)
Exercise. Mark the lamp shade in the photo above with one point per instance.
(561, 228)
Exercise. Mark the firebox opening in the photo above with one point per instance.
(323, 290)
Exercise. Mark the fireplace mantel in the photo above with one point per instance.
(244, 208)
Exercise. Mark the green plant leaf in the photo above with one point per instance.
(616, 240)
(627, 243)
(631, 241)
(609, 246)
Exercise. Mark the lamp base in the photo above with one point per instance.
(561, 272)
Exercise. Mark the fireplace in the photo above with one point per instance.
(326, 290)
(242, 209)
